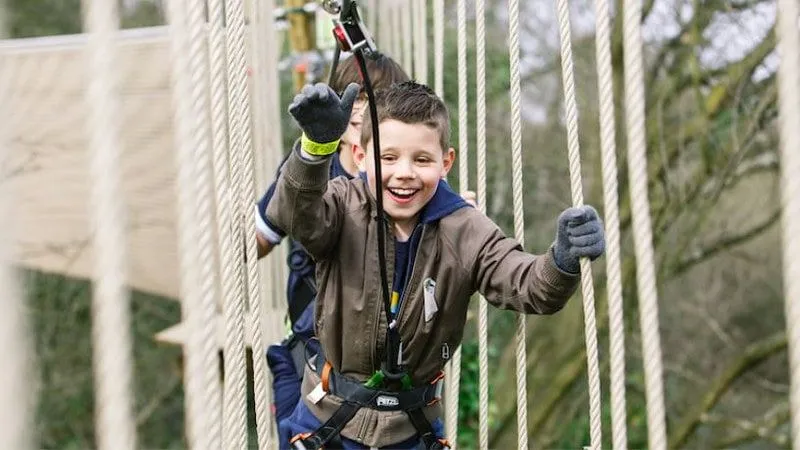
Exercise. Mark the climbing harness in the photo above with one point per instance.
(353, 36)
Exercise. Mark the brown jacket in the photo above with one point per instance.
(457, 255)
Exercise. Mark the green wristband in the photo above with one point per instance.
(317, 149)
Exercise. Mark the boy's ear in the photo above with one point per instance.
(448, 158)
(359, 157)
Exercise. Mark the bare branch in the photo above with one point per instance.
(702, 254)
(764, 428)
(752, 356)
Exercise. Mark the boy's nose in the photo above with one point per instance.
(404, 170)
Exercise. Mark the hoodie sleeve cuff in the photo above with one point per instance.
(304, 173)
(554, 274)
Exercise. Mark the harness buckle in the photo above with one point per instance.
(438, 381)
(297, 441)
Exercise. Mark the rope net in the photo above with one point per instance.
(181, 94)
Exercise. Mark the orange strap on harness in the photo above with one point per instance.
(326, 376)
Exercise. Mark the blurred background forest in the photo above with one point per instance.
(712, 143)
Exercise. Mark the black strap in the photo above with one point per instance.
(332, 427)
(424, 429)
(304, 293)
(297, 349)
(328, 434)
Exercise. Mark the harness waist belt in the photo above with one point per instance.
(353, 391)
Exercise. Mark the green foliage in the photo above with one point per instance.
(29, 18)
(469, 395)
(60, 312)
(146, 14)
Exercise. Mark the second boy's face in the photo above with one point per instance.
(351, 137)
(412, 163)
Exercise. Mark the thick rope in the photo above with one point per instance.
(642, 233)
(483, 326)
(111, 339)
(519, 216)
(463, 105)
(397, 33)
(406, 37)
(611, 208)
(372, 15)
(243, 166)
(587, 283)
(266, 97)
(788, 47)
(438, 47)
(195, 211)
(421, 64)
(234, 427)
(16, 393)
(454, 374)
(384, 33)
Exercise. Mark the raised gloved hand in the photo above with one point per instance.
(580, 233)
(322, 116)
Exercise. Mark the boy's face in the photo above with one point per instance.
(412, 163)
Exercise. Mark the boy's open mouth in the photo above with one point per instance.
(402, 195)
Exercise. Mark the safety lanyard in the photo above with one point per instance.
(353, 36)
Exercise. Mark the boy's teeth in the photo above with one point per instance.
(402, 191)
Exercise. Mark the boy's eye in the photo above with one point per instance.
(388, 158)
(423, 160)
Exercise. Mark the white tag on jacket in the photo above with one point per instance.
(317, 394)
(429, 291)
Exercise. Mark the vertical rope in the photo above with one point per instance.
(404, 10)
(243, 167)
(642, 233)
(463, 105)
(587, 283)
(372, 18)
(384, 32)
(422, 41)
(234, 427)
(111, 340)
(611, 208)
(454, 377)
(413, 38)
(266, 95)
(438, 47)
(16, 382)
(483, 327)
(519, 217)
(195, 206)
(397, 34)
(788, 47)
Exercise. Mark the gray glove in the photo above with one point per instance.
(321, 114)
(580, 233)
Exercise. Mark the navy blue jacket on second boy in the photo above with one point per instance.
(286, 380)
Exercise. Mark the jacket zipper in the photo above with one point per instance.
(380, 305)
(409, 278)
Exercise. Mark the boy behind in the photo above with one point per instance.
(439, 252)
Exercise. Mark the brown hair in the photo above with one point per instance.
(383, 72)
(410, 103)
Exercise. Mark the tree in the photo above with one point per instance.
(712, 167)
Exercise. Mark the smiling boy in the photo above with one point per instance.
(440, 251)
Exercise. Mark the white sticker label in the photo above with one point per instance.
(317, 394)
(429, 294)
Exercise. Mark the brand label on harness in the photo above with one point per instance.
(387, 401)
